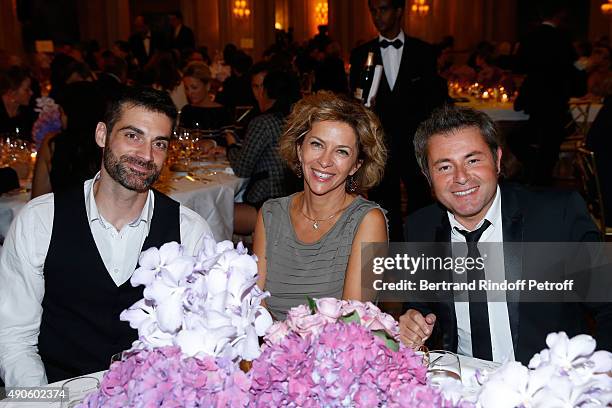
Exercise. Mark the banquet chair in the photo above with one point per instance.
(577, 127)
(591, 189)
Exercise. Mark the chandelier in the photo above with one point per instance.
(606, 8)
(420, 7)
(321, 12)
(241, 9)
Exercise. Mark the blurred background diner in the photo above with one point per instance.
(540, 68)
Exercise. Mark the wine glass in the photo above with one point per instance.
(73, 391)
(443, 365)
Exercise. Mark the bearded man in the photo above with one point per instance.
(68, 257)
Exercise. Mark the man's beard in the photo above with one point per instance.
(131, 179)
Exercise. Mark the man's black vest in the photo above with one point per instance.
(80, 328)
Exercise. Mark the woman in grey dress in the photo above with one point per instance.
(309, 244)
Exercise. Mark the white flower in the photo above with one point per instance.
(153, 260)
(567, 374)
(207, 304)
(513, 385)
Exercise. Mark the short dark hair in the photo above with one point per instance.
(449, 119)
(396, 4)
(177, 14)
(12, 78)
(136, 96)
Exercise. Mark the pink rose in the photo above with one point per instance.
(298, 312)
(330, 308)
(308, 325)
(277, 332)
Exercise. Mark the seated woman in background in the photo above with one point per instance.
(16, 92)
(212, 118)
(258, 158)
(69, 158)
(162, 73)
(309, 243)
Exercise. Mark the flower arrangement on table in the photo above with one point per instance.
(202, 315)
(340, 353)
(570, 373)
(48, 121)
(199, 317)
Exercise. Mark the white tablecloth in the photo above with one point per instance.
(469, 366)
(504, 112)
(212, 198)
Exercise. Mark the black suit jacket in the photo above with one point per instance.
(547, 57)
(184, 39)
(136, 41)
(417, 92)
(526, 217)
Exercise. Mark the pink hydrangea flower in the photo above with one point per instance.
(162, 377)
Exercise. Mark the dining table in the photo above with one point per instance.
(469, 367)
(504, 111)
(207, 187)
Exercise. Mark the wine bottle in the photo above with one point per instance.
(365, 82)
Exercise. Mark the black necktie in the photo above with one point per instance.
(397, 43)
(479, 311)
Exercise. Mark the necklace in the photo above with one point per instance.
(315, 222)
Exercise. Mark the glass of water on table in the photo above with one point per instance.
(443, 365)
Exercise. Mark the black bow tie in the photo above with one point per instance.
(397, 43)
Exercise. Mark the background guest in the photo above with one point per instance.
(162, 73)
(409, 90)
(144, 42)
(181, 36)
(16, 92)
(599, 141)
(257, 158)
(309, 243)
(201, 112)
(547, 58)
(67, 159)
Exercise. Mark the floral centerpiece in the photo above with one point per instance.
(199, 317)
(48, 120)
(336, 353)
(162, 377)
(570, 373)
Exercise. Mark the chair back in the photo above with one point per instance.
(578, 126)
(591, 187)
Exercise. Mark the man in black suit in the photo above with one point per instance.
(459, 152)
(546, 55)
(144, 42)
(181, 36)
(409, 90)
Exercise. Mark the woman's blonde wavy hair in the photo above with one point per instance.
(327, 106)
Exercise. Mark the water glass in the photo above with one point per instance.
(77, 389)
(442, 366)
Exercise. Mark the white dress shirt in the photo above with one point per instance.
(22, 283)
(146, 42)
(499, 322)
(392, 57)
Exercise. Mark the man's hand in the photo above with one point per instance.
(415, 328)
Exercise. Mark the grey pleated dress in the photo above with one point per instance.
(295, 269)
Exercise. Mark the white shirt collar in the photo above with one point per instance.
(493, 214)
(400, 37)
(549, 23)
(92, 209)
